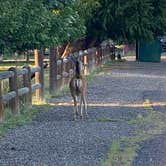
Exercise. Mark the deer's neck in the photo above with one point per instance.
(77, 70)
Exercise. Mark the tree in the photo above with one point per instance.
(73, 16)
(159, 17)
(138, 22)
(24, 25)
(41, 23)
(35, 24)
(66, 23)
(128, 20)
(10, 16)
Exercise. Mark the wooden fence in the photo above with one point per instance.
(60, 74)
(12, 97)
(64, 69)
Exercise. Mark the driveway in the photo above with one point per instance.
(115, 96)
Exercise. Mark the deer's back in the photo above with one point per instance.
(77, 86)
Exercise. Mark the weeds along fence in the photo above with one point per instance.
(16, 88)
(17, 85)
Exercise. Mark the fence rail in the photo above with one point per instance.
(60, 71)
(13, 96)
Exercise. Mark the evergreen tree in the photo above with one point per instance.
(128, 20)
(159, 17)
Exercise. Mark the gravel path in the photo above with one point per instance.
(53, 139)
(152, 152)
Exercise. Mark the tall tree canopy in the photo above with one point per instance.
(10, 16)
(128, 20)
(30, 24)
(159, 17)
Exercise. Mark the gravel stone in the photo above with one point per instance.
(54, 139)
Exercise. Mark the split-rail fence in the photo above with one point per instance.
(60, 73)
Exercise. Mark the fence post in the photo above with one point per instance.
(53, 71)
(39, 76)
(62, 72)
(65, 69)
(58, 74)
(93, 59)
(1, 103)
(97, 57)
(27, 83)
(71, 69)
(85, 62)
(41, 53)
(103, 54)
(112, 50)
(89, 59)
(13, 86)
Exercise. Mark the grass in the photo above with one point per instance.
(6, 65)
(108, 119)
(91, 76)
(124, 150)
(115, 62)
(130, 53)
(26, 115)
(62, 92)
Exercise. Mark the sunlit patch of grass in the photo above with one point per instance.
(5, 66)
(124, 150)
(115, 62)
(130, 53)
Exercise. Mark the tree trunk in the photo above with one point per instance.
(66, 51)
(1, 104)
(27, 57)
(137, 50)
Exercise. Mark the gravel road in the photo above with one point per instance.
(53, 139)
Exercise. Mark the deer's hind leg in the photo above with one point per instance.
(75, 107)
(85, 105)
(81, 106)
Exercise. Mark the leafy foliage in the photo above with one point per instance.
(29, 24)
(138, 22)
(40, 23)
(10, 16)
(159, 17)
(129, 20)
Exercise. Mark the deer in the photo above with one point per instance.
(77, 87)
